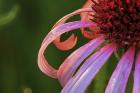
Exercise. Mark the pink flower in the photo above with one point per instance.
(117, 23)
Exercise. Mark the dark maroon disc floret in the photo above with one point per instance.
(119, 21)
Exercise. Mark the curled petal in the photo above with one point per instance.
(72, 39)
(88, 34)
(88, 4)
(71, 64)
(87, 16)
(88, 70)
(67, 44)
(65, 18)
(52, 35)
(136, 86)
(118, 80)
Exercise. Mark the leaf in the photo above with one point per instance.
(10, 16)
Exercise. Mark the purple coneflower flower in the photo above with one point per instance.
(114, 21)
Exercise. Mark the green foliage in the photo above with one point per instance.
(10, 16)
(23, 25)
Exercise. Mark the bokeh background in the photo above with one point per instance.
(23, 25)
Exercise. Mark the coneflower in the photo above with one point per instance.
(114, 21)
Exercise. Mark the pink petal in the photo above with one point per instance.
(71, 41)
(70, 65)
(52, 35)
(88, 70)
(136, 87)
(67, 44)
(118, 81)
(87, 16)
(65, 18)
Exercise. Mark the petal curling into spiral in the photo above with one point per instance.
(71, 41)
(52, 35)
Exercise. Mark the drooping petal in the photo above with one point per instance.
(88, 70)
(118, 81)
(52, 35)
(70, 65)
(71, 41)
(136, 86)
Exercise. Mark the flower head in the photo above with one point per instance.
(114, 21)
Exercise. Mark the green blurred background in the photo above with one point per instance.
(23, 25)
(20, 39)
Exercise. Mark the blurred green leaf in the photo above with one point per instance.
(10, 16)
